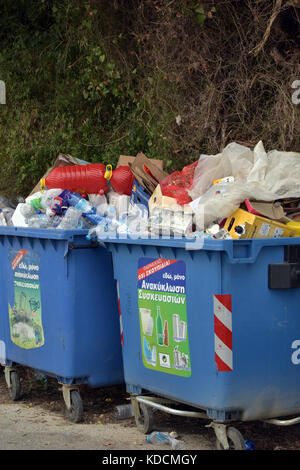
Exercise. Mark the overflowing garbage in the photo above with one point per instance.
(237, 194)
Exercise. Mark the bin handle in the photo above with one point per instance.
(235, 248)
(151, 401)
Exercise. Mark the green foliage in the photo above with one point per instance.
(70, 89)
(96, 79)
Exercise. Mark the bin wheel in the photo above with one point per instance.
(144, 422)
(235, 440)
(75, 413)
(15, 389)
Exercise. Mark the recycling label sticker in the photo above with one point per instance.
(163, 315)
(25, 312)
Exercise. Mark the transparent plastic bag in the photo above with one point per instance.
(176, 184)
(257, 175)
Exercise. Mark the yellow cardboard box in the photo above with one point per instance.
(243, 224)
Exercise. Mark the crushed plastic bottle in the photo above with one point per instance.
(70, 220)
(2, 218)
(39, 221)
(250, 445)
(99, 201)
(27, 210)
(81, 204)
(157, 437)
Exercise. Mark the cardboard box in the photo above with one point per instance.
(146, 172)
(125, 160)
(270, 210)
(165, 202)
(242, 224)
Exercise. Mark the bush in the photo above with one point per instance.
(97, 79)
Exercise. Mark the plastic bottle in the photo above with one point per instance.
(81, 204)
(88, 178)
(250, 445)
(2, 218)
(48, 197)
(39, 221)
(124, 411)
(27, 210)
(70, 219)
(99, 202)
(157, 437)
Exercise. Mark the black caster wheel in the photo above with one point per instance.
(144, 422)
(235, 440)
(15, 388)
(75, 413)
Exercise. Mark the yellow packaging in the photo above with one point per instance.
(295, 226)
(243, 224)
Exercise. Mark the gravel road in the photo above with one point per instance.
(37, 421)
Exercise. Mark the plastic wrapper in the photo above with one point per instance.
(168, 222)
(176, 184)
(257, 175)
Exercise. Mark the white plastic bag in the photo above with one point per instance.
(257, 175)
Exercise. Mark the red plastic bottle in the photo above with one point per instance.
(121, 179)
(78, 178)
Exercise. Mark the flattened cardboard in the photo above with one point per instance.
(125, 160)
(270, 210)
(148, 182)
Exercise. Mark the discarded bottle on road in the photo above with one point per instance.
(250, 445)
(157, 437)
(124, 411)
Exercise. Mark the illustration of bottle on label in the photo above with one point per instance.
(159, 328)
(166, 334)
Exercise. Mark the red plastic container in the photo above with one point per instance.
(121, 179)
(78, 178)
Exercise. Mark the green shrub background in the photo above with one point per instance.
(96, 79)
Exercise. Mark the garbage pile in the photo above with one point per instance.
(237, 194)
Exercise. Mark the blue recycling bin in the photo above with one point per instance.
(216, 329)
(59, 311)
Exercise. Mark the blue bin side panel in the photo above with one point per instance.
(79, 315)
(265, 328)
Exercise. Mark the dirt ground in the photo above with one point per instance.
(37, 421)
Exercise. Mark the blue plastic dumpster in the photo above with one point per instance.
(215, 329)
(59, 311)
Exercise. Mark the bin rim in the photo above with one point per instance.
(238, 251)
(52, 234)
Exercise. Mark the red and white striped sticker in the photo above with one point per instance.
(223, 332)
(120, 315)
